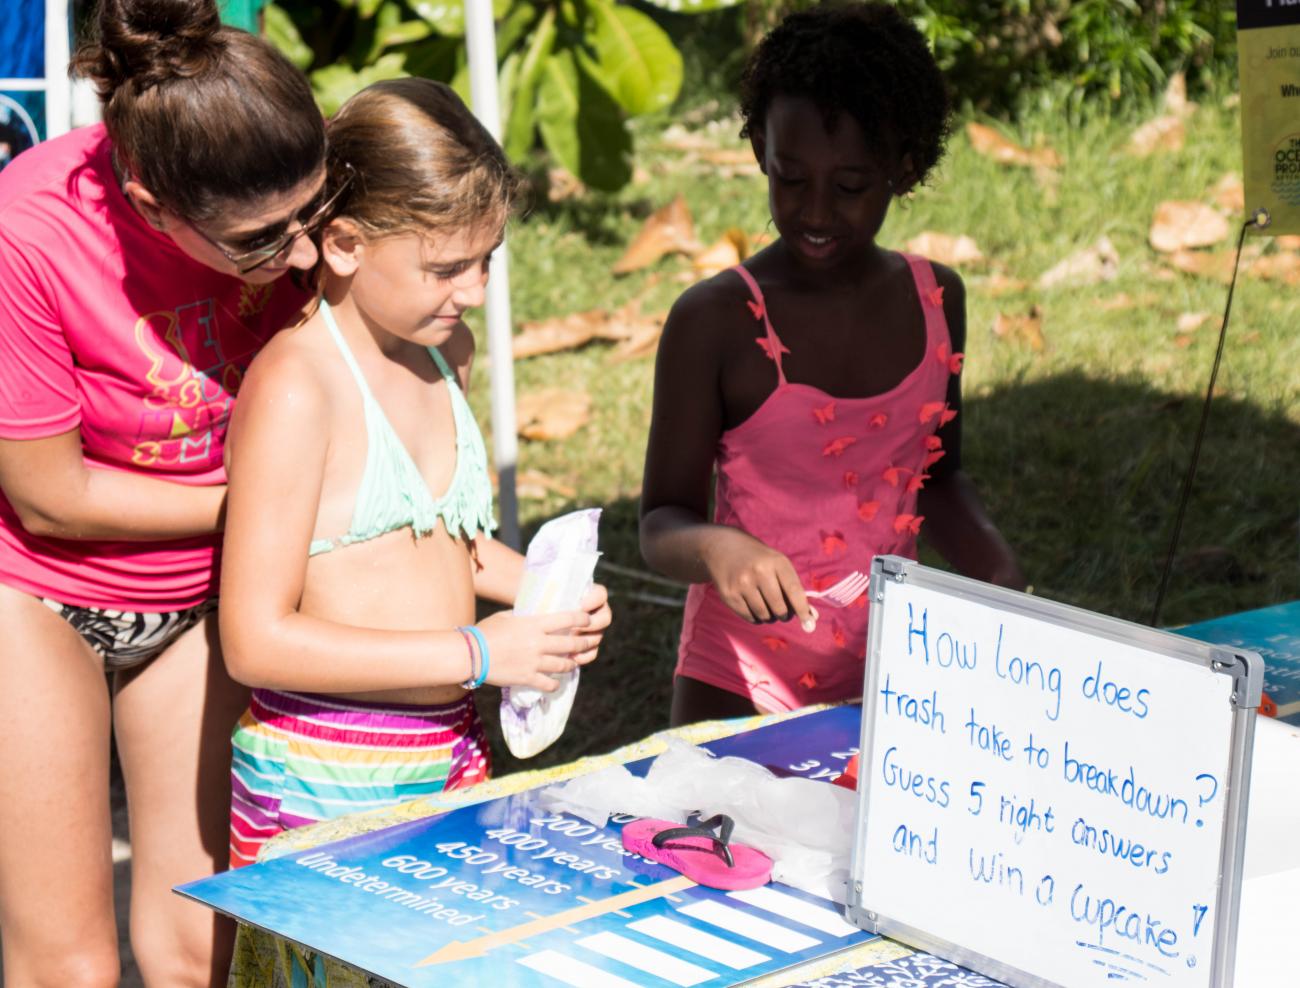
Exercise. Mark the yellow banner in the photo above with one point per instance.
(1268, 48)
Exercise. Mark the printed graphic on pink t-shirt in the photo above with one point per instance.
(107, 326)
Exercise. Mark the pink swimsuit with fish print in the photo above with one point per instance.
(830, 482)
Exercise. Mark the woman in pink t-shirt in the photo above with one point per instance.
(820, 380)
(141, 266)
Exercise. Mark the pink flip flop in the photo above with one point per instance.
(703, 856)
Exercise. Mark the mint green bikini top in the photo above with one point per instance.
(393, 494)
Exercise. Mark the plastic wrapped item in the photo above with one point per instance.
(805, 827)
(558, 570)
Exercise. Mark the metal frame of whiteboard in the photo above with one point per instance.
(1245, 667)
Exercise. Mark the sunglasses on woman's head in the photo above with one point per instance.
(310, 219)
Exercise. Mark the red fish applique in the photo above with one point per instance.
(833, 543)
(930, 409)
(878, 420)
(867, 510)
(766, 344)
(935, 295)
(850, 479)
(955, 362)
(905, 522)
(836, 447)
(933, 443)
(775, 643)
(758, 308)
(893, 475)
(943, 351)
(824, 414)
(916, 482)
(940, 408)
(932, 458)
(837, 634)
(820, 583)
(808, 680)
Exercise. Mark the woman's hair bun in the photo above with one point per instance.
(146, 42)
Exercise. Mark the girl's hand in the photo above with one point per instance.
(756, 581)
(528, 651)
(596, 604)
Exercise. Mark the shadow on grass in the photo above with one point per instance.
(1083, 477)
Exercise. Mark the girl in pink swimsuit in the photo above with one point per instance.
(821, 381)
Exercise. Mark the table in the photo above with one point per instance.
(1272, 860)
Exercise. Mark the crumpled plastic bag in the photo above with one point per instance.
(558, 571)
(804, 826)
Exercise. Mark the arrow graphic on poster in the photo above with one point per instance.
(459, 951)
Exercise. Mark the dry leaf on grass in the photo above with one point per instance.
(579, 328)
(1229, 194)
(1027, 328)
(1187, 325)
(553, 413)
(666, 231)
(1183, 225)
(552, 335)
(1122, 301)
(536, 486)
(999, 284)
(725, 253)
(988, 142)
(1165, 133)
(1203, 264)
(1283, 267)
(642, 343)
(1089, 266)
(945, 248)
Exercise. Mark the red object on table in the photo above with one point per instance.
(849, 777)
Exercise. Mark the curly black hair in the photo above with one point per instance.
(863, 59)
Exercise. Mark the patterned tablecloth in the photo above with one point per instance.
(263, 960)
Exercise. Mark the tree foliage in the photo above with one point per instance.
(571, 72)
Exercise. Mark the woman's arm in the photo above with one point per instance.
(277, 462)
(956, 522)
(56, 495)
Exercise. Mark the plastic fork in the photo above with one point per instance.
(843, 593)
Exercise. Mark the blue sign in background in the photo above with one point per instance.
(1273, 632)
(506, 893)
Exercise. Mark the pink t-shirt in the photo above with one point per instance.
(106, 325)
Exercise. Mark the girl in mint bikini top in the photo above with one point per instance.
(359, 514)
(839, 438)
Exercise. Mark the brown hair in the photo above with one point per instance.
(422, 161)
(202, 115)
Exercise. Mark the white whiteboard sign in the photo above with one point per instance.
(1049, 796)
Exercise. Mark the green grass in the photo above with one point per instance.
(1079, 450)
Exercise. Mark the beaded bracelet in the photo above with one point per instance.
(483, 655)
(474, 662)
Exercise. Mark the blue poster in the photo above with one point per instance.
(1273, 632)
(22, 60)
(22, 122)
(22, 39)
(506, 893)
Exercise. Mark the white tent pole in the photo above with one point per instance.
(481, 47)
(58, 89)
